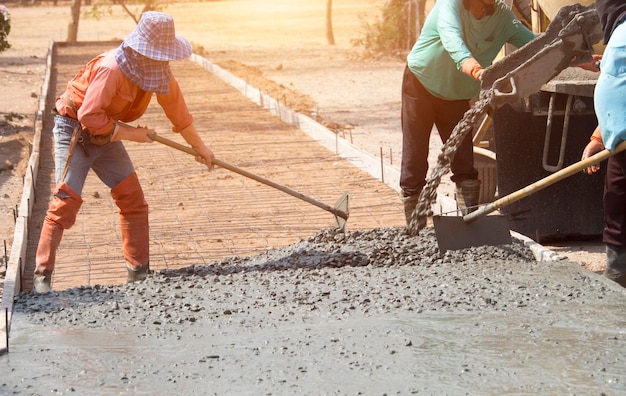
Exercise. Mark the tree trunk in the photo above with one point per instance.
(329, 23)
(72, 27)
(417, 15)
(421, 16)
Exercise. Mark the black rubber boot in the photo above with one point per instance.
(467, 195)
(41, 282)
(409, 206)
(137, 274)
(616, 264)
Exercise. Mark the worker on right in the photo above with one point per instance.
(610, 108)
(459, 39)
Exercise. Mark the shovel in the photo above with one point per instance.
(340, 210)
(478, 229)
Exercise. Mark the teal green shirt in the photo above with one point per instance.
(451, 35)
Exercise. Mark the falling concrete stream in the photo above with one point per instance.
(370, 312)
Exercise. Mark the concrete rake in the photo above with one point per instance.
(340, 210)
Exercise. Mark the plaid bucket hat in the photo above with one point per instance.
(155, 38)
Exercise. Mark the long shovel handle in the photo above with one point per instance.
(543, 183)
(232, 168)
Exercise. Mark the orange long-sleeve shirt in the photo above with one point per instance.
(103, 95)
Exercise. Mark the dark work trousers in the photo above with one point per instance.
(420, 111)
(615, 201)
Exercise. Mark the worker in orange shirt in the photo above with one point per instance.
(113, 88)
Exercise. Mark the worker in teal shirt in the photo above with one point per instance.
(459, 39)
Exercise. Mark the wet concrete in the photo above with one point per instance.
(368, 312)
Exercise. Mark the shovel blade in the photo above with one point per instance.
(454, 233)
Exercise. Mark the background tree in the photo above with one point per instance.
(329, 22)
(5, 28)
(98, 9)
(417, 16)
(388, 36)
(72, 27)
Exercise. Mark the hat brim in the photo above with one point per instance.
(180, 50)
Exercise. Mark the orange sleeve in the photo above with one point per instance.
(174, 106)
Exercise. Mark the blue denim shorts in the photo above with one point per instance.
(110, 162)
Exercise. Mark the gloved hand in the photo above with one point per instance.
(472, 68)
(594, 65)
(127, 132)
(205, 156)
(594, 146)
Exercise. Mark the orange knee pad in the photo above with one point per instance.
(64, 207)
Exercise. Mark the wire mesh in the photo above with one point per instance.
(198, 216)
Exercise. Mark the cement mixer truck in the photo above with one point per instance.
(537, 134)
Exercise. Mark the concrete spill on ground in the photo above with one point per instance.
(367, 312)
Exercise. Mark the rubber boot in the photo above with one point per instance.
(134, 228)
(41, 282)
(137, 274)
(61, 215)
(409, 207)
(616, 264)
(467, 195)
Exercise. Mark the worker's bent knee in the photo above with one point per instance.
(128, 195)
(64, 207)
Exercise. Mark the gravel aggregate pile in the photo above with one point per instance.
(332, 272)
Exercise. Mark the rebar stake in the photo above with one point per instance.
(6, 324)
(382, 166)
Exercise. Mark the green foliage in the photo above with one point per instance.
(134, 8)
(5, 28)
(388, 35)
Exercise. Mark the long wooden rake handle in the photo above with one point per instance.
(543, 183)
(334, 210)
